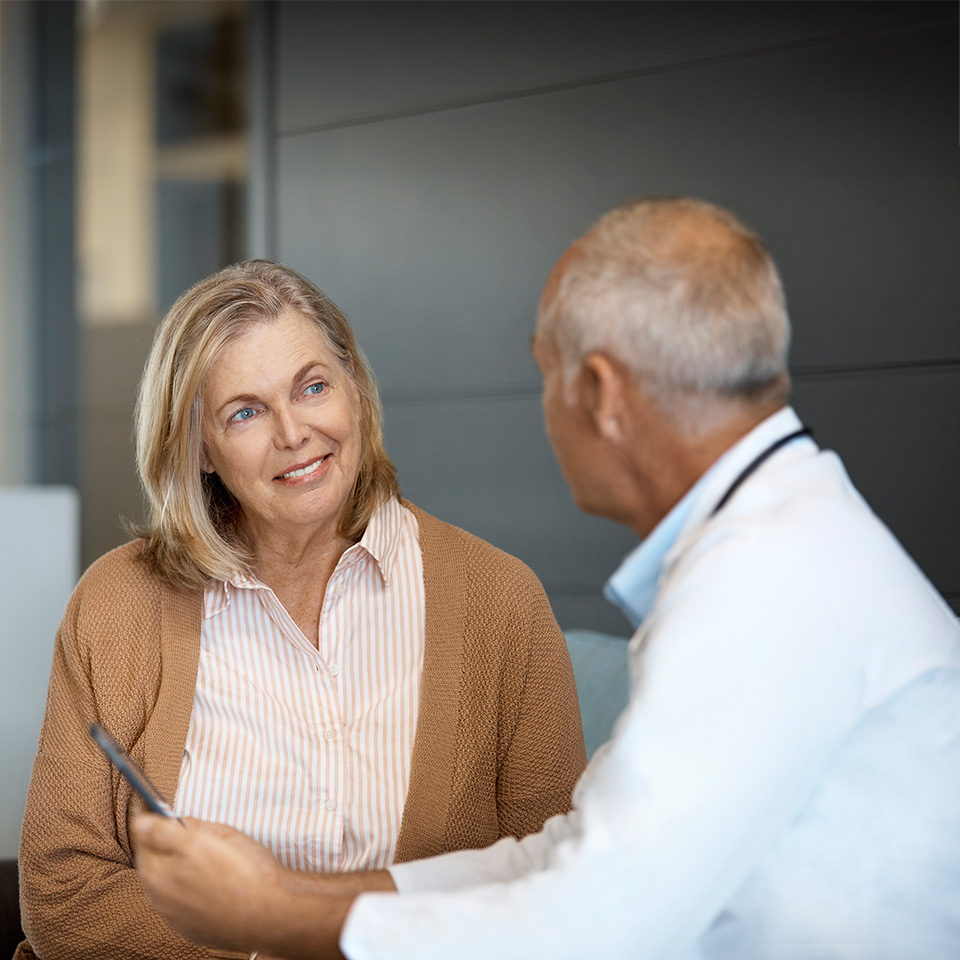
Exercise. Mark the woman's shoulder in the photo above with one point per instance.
(119, 578)
(120, 595)
(120, 565)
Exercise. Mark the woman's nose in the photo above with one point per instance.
(291, 431)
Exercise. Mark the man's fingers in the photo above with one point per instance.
(157, 834)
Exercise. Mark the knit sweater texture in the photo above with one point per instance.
(497, 751)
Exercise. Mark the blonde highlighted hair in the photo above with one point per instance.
(191, 531)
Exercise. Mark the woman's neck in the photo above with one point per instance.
(297, 570)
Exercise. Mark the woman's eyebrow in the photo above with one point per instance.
(239, 398)
(307, 367)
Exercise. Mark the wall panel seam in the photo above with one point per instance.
(802, 374)
(810, 43)
(819, 372)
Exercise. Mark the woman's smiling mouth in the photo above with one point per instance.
(305, 471)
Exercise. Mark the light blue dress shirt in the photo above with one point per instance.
(633, 587)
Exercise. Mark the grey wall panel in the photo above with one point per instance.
(898, 436)
(437, 230)
(344, 61)
(486, 465)
(869, 265)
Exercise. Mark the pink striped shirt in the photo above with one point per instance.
(308, 750)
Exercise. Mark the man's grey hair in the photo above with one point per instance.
(686, 297)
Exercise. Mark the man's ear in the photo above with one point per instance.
(601, 391)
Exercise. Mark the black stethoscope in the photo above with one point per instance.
(755, 463)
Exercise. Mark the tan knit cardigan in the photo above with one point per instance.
(498, 745)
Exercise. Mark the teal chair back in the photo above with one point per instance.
(603, 681)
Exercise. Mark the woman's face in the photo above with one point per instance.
(281, 428)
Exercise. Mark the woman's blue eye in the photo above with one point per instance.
(245, 414)
(315, 388)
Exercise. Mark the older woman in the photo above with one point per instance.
(291, 648)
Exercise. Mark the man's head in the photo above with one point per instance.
(663, 337)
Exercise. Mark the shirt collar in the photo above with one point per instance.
(633, 586)
(380, 541)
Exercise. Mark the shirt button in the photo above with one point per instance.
(330, 734)
(338, 592)
(335, 670)
(331, 805)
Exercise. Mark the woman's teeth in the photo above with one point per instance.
(303, 471)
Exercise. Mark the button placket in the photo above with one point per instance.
(328, 643)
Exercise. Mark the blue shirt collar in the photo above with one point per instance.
(633, 586)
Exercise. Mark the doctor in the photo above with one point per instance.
(785, 780)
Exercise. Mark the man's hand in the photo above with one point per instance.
(220, 888)
(213, 884)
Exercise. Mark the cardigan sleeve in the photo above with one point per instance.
(80, 894)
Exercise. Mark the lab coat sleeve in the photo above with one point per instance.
(736, 709)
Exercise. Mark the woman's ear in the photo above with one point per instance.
(601, 388)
